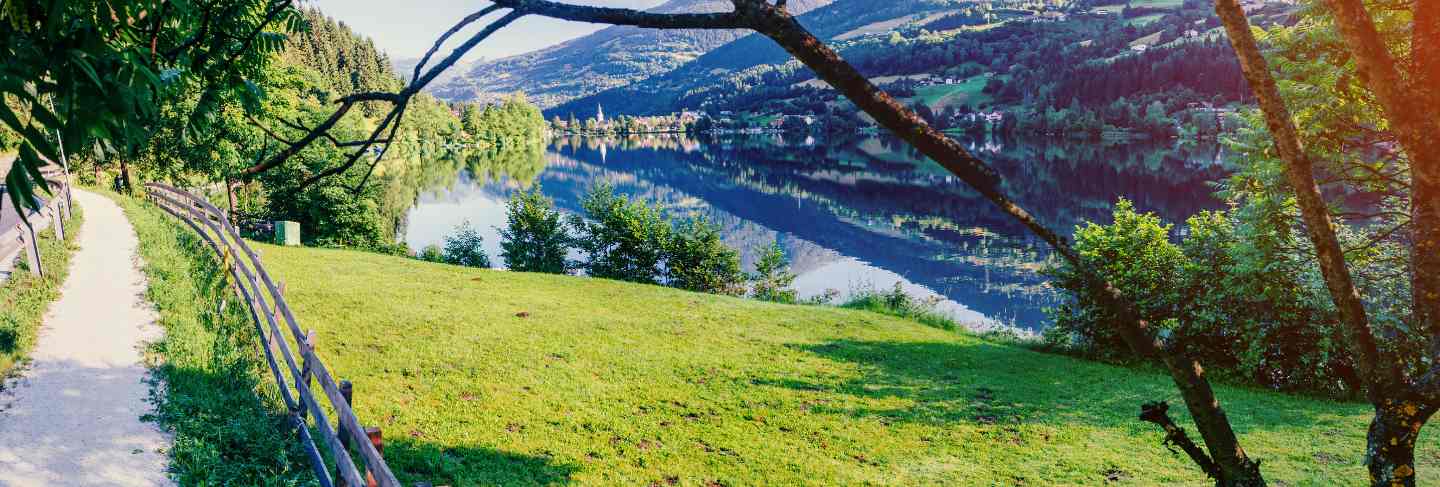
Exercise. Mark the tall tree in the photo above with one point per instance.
(1404, 394)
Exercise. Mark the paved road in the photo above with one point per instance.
(73, 418)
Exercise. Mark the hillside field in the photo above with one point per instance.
(942, 96)
(484, 377)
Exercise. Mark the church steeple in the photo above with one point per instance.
(599, 113)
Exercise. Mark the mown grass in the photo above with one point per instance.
(970, 91)
(483, 377)
(25, 298)
(228, 423)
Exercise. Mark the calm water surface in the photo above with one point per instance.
(857, 213)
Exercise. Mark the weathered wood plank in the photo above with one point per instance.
(219, 227)
(349, 423)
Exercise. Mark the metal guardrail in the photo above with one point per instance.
(269, 311)
(25, 235)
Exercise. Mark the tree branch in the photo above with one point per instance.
(381, 155)
(446, 36)
(637, 18)
(1158, 413)
(459, 52)
(355, 156)
(1408, 119)
(295, 148)
(267, 130)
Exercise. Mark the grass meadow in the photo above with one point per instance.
(483, 377)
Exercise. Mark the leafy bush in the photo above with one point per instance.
(431, 253)
(534, 238)
(696, 259)
(623, 239)
(465, 247)
(1238, 293)
(772, 278)
(331, 216)
(896, 302)
(1135, 254)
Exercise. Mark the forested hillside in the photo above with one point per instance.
(1056, 66)
(342, 198)
(611, 57)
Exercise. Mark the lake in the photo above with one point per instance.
(854, 214)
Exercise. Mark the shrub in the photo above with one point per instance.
(1238, 293)
(431, 253)
(896, 302)
(772, 278)
(623, 239)
(465, 247)
(331, 216)
(1135, 254)
(534, 238)
(696, 259)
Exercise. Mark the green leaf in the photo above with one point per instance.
(32, 164)
(79, 57)
(33, 136)
(18, 185)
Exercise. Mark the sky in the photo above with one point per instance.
(407, 28)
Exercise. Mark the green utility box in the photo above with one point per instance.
(287, 233)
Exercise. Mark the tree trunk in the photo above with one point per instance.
(124, 177)
(1425, 172)
(1390, 445)
(1313, 210)
(230, 198)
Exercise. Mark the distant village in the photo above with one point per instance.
(722, 122)
(687, 121)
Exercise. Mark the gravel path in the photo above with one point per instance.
(73, 418)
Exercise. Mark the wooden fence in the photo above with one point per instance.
(266, 304)
(26, 238)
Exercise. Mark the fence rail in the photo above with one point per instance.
(295, 370)
(24, 235)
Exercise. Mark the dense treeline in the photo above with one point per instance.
(348, 62)
(361, 205)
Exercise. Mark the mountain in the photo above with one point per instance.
(843, 21)
(950, 56)
(611, 57)
(405, 68)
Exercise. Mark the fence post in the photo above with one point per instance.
(347, 391)
(54, 210)
(65, 164)
(32, 248)
(377, 440)
(306, 369)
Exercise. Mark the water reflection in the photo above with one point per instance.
(861, 212)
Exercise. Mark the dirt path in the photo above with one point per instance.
(73, 418)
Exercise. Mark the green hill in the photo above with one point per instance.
(483, 377)
(608, 58)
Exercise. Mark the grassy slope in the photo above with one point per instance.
(24, 298)
(938, 97)
(611, 383)
(226, 421)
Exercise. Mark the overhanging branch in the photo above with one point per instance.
(621, 16)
